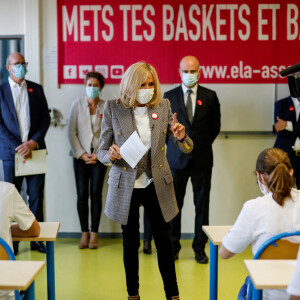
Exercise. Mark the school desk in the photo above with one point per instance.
(215, 234)
(48, 234)
(20, 275)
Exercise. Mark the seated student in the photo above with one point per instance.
(294, 287)
(14, 209)
(261, 218)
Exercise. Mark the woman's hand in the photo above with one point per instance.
(84, 157)
(89, 159)
(178, 129)
(92, 159)
(114, 152)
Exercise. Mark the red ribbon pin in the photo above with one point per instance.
(101, 116)
(199, 102)
(292, 108)
(30, 90)
(154, 116)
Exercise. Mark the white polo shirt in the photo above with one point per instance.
(12, 209)
(259, 220)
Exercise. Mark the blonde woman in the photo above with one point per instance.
(140, 108)
(261, 218)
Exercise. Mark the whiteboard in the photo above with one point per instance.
(246, 107)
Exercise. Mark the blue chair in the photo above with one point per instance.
(7, 254)
(274, 248)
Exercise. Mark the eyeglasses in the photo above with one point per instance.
(25, 64)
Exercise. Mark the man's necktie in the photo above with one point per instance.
(189, 105)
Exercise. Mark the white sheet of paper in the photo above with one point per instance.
(35, 165)
(133, 150)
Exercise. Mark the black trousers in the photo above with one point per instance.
(201, 183)
(35, 187)
(161, 233)
(147, 229)
(89, 181)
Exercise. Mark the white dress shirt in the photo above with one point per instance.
(289, 126)
(193, 95)
(143, 125)
(21, 102)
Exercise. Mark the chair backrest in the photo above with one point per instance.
(5, 251)
(277, 248)
(282, 249)
(7, 254)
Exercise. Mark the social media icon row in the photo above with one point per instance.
(70, 71)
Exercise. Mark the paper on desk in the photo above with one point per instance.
(133, 150)
(35, 165)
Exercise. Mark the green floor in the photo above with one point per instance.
(99, 274)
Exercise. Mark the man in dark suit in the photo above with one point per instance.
(287, 121)
(24, 121)
(198, 109)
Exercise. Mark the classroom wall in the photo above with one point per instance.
(233, 180)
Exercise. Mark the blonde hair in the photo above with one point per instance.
(132, 80)
(275, 163)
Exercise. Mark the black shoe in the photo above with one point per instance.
(176, 255)
(39, 246)
(147, 247)
(16, 248)
(201, 257)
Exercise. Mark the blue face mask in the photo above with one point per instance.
(189, 80)
(92, 92)
(19, 71)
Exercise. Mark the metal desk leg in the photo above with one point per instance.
(29, 294)
(213, 272)
(257, 294)
(50, 270)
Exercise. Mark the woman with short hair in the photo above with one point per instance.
(84, 127)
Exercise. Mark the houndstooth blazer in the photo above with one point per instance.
(117, 126)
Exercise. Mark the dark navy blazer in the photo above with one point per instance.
(10, 137)
(285, 110)
(203, 130)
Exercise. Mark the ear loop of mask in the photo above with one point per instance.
(262, 187)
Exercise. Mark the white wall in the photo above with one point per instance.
(233, 180)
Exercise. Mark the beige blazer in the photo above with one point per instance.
(80, 132)
(117, 126)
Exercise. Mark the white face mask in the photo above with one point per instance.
(262, 187)
(144, 95)
(189, 80)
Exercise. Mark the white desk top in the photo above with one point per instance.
(49, 231)
(216, 233)
(18, 274)
(269, 273)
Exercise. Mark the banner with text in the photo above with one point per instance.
(236, 42)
